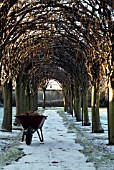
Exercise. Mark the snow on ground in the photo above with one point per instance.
(68, 145)
(58, 152)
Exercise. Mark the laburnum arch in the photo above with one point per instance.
(70, 41)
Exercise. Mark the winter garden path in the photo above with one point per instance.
(58, 152)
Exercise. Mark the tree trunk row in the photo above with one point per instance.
(76, 102)
(26, 101)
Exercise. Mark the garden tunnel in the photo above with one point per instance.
(66, 40)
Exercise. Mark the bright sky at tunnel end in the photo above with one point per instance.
(54, 85)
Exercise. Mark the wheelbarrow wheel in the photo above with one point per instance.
(28, 139)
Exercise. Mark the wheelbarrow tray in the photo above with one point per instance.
(33, 121)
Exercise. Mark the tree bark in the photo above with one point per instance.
(85, 108)
(71, 100)
(111, 110)
(44, 97)
(33, 100)
(36, 99)
(110, 73)
(96, 125)
(65, 98)
(20, 99)
(65, 104)
(77, 103)
(7, 95)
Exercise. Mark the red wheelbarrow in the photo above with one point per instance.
(31, 123)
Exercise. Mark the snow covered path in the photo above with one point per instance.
(58, 152)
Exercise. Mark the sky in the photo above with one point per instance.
(53, 85)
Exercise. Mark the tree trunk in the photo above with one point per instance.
(44, 97)
(65, 104)
(23, 91)
(27, 98)
(77, 103)
(33, 100)
(85, 108)
(65, 98)
(96, 125)
(31, 97)
(7, 118)
(31, 107)
(71, 100)
(36, 99)
(110, 73)
(20, 99)
(111, 110)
